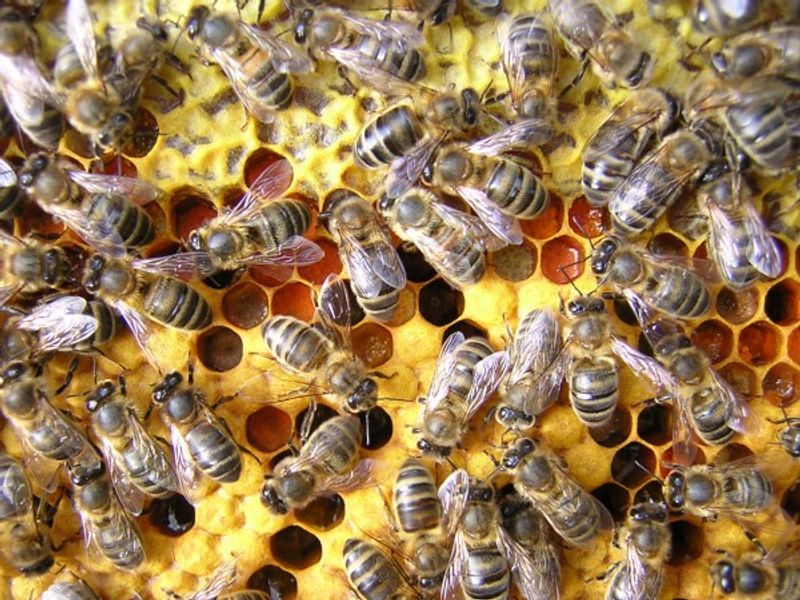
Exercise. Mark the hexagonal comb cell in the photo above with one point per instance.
(145, 135)
(439, 304)
(687, 543)
(372, 343)
(562, 260)
(793, 345)
(782, 302)
(714, 338)
(189, 209)
(295, 547)
(586, 220)
(465, 326)
(329, 263)
(417, 268)
(515, 263)
(633, 464)
(376, 428)
(245, 305)
(257, 162)
(617, 430)
(741, 377)
(173, 516)
(759, 343)
(615, 498)
(781, 384)
(268, 429)
(654, 424)
(276, 583)
(293, 299)
(737, 307)
(668, 244)
(220, 348)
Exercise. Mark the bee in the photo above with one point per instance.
(539, 476)
(588, 30)
(27, 93)
(656, 182)
(738, 240)
(376, 274)
(418, 513)
(27, 544)
(530, 530)
(531, 385)
(452, 242)
(703, 401)
(201, 442)
(372, 574)
(134, 287)
(530, 60)
(383, 54)
(466, 375)
(789, 436)
(324, 352)
(771, 51)
(257, 64)
(754, 113)
(107, 528)
(12, 198)
(73, 590)
(105, 210)
(735, 490)
(55, 325)
(773, 574)
(253, 232)
(137, 465)
(47, 436)
(724, 18)
(616, 147)
(647, 546)
(328, 463)
(670, 284)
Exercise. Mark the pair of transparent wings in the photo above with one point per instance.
(14, 488)
(515, 55)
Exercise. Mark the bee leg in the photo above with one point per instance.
(756, 542)
(73, 367)
(178, 96)
(260, 12)
(380, 375)
(350, 89)
(577, 79)
(604, 575)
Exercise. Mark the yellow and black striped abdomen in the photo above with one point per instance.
(117, 217)
(392, 55)
(486, 575)
(594, 389)
(468, 354)
(265, 83)
(173, 303)
(416, 502)
(387, 137)
(296, 345)
(278, 221)
(516, 190)
(370, 572)
(530, 41)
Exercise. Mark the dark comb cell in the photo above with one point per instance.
(376, 428)
(220, 349)
(295, 547)
(172, 516)
(654, 424)
(617, 430)
(715, 339)
(782, 303)
(687, 543)
(465, 326)
(268, 429)
(615, 498)
(417, 269)
(737, 307)
(624, 467)
(145, 135)
(439, 304)
(275, 582)
(190, 210)
(245, 305)
(322, 413)
(257, 162)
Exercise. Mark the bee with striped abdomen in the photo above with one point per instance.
(771, 51)
(69, 590)
(773, 574)
(372, 574)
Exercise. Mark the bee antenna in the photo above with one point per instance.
(646, 470)
(585, 234)
(571, 280)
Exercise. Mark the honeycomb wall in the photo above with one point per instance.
(207, 152)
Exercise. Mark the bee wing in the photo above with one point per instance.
(153, 453)
(285, 57)
(442, 375)
(100, 235)
(272, 182)
(8, 177)
(372, 265)
(535, 572)
(131, 498)
(614, 132)
(366, 68)
(189, 476)
(139, 328)
(453, 497)
(184, 264)
(362, 475)
(640, 576)
(384, 29)
(238, 80)
(763, 251)
(24, 107)
(16, 491)
(90, 533)
(692, 267)
(519, 135)
(470, 225)
(504, 226)
(223, 578)
(296, 251)
(646, 186)
(455, 568)
(25, 87)
(42, 471)
(642, 364)
(335, 312)
(723, 237)
(133, 189)
(59, 324)
(404, 172)
(742, 418)
(9, 291)
(487, 377)
(532, 349)
(80, 31)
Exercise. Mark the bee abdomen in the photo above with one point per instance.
(415, 498)
(382, 306)
(172, 302)
(341, 436)
(107, 324)
(468, 355)
(748, 491)
(710, 415)
(215, 453)
(270, 86)
(594, 391)
(295, 344)
(738, 271)
(393, 56)
(602, 175)
(762, 133)
(516, 190)
(279, 220)
(530, 40)
(465, 262)
(486, 575)
(370, 571)
(47, 130)
(122, 546)
(130, 222)
(389, 136)
(680, 294)
(155, 483)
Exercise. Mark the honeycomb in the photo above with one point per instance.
(203, 155)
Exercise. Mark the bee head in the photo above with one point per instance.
(673, 492)
(364, 397)
(386, 205)
(196, 20)
(117, 130)
(585, 304)
(166, 387)
(100, 396)
(512, 418)
(648, 511)
(195, 241)
(603, 254)
(154, 28)
(301, 28)
(271, 498)
(514, 454)
(479, 491)
(723, 574)
(428, 448)
(93, 270)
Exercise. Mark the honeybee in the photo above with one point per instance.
(531, 385)
(530, 530)
(201, 442)
(376, 274)
(12, 199)
(530, 59)
(466, 375)
(47, 436)
(771, 51)
(656, 182)
(324, 352)
(753, 112)
(105, 210)
(452, 242)
(541, 477)
(134, 287)
(253, 232)
(383, 54)
(483, 554)
(222, 579)
(735, 491)
(588, 30)
(738, 240)
(26, 540)
(28, 94)
(257, 64)
(647, 546)
(703, 401)
(774, 574)
(673, 285)
(418, 513)
(137, 465)
(723, 18)
(789, 436)
(69, 590)
(107, 528)
(60, 324)
(372, 574)
(615, 148)
(328, 463)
